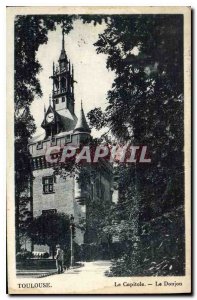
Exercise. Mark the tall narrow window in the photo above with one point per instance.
(102, 191)
(48, 184)
(98, 189)
(63, 84)
(63, 99)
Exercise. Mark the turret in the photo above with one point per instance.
(82, 125)
(72, 81)
(63, 60)
(63, 90)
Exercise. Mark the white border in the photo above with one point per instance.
(193, 4)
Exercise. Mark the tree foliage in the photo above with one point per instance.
(50, 230)
(146, 101)
(146, 108)
(30, 33)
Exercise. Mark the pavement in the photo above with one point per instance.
(95, 268)
(89, 278)
(88, 269)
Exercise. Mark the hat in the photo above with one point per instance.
(58, 246)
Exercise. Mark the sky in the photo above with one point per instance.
(90, 72)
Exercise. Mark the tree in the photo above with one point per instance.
(146, 102)
(146, 108)
(50, 230)
(30, 32)
(25, 218)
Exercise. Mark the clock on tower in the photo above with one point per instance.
(50, 117)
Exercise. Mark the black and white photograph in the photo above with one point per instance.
(99, 133)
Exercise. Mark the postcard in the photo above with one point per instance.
(99, 150)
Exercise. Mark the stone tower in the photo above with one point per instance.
(52, 193)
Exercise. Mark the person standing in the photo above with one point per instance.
(59, 259)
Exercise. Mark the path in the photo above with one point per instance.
(89, 277)
(95, 268)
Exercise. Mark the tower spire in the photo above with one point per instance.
(72, 79)
(53, 91)
(63, 39)
(82, 125)
(63, 56)
(69, 65)
(72, 71)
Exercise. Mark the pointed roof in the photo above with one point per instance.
(64, 118)
(50, 109)
(82, 125)
(63, 55)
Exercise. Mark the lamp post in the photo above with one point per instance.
(71, 240)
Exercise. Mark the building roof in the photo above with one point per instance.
(64, 118)
(63, 55)
(67, 124)
(37, 138)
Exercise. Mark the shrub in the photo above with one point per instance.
(46, 255)
(23, 255)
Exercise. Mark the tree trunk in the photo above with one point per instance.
(17, 223)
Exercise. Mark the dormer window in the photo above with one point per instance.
(53, 141)
(39, 145)
(68, 138)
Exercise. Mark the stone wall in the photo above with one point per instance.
(62, 200)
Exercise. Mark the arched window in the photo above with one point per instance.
(56, 83)
(63, 84)
(62, 65)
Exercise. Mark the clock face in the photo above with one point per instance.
(50, 117)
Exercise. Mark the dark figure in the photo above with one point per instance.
(59, 259)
